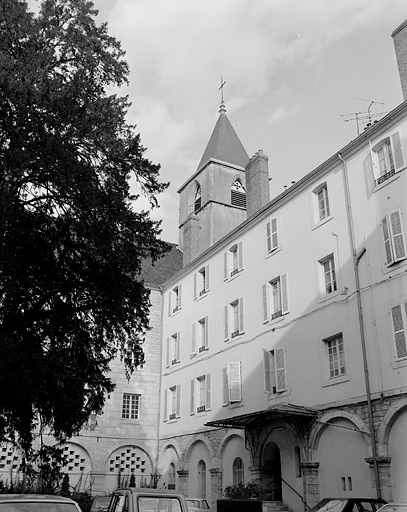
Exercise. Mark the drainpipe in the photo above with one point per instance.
(356, 260)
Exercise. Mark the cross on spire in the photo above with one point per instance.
(222, 104)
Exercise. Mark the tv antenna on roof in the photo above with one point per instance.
(361, 116)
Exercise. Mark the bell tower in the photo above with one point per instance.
(213, 200)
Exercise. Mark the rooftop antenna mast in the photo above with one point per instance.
(360, 116)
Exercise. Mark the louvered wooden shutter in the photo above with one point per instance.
(284, 293)
(179, 295)
(240, 255)
(178, 346)
(178, 391)
(225, 386)
(279, 359)
(205, 340)
(274, 233)
(168, 352)
(241, 318)
(266, 371)
(387, 241)
(193, 340)
(225, 265)
(397, 151)
(397, 235)
(207, 278)
(208, 391)
(195, 291)
(399, 329)
(264, 298)
(235, 382)
(192, 403)
(268, 237)
(165, 404)
(226, 322)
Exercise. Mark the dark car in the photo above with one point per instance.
(348, 505)
(36, 503)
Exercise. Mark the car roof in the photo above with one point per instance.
(35, 497)
(148, 490)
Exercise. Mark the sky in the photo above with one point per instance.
(297, 72)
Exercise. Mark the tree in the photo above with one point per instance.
(71, 243)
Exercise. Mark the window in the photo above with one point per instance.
(336, 356)
(399, 320)
(238, 471)
(201, 394)
(238, 195)
(328, 274)
(201, 282)
(171, 476)
(394, 243)
(197, 199)
(275, 298)
(387, 158)
(172, 403)
(272, 238)
(322, 209)
(131, 406)
(232, 383)
(201, 479)
(199, 336)
(173, 349)
(274, 371)
(233, 260)
(233, 319)
(174, 300)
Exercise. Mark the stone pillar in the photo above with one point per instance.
(183, 475)
(310, 478)
(257, 183)
(216, 486)
(384, 469)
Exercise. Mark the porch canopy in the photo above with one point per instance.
(282, 411)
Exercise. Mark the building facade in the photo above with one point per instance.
(278, 349)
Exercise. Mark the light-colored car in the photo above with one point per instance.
(197, 504)
(37, 503)
(100, 504)
(394, 507)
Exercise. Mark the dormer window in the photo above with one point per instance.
(238, 194)
(198, 199)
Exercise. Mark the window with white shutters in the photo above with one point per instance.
(173, 349)
(387, 158)
(172, 403)
(233, 319)
(174, 300)
(272, 236)
(399, 322)
(232, 383)
(201, 282)
(393, 236)
(321, 204)
(200, 394)
(233, 261)
(199, 342)
(274, 371)
(274, 296)
(328, 275)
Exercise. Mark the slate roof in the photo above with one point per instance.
(224, 145)
(157, 273)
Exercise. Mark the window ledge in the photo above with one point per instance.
(327, 296)
(230, 278)
(393, 178)
(399, 363)
(272, 252)
(201, 295)
(322, 222)
(279, 394)
(336, 380)
(273, 321)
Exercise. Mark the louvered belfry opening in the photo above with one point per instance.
(238, 195)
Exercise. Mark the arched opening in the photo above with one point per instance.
(171, 476)
(201, 479)
(272, 471)
(198, 198)
(238, 471)
(238, 194)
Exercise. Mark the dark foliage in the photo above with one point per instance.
(71, 244)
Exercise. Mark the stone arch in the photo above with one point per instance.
(193, 188)
(197, 439)
(170, 454)
(386, 424)
(174, 445)
(80, 464)
(320, 426)
(228, 435)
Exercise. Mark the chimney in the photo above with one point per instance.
(257, 183)
(400, 45)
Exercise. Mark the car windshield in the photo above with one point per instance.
(331, 506)
(37, 506)
(153, 504)
(193, 503)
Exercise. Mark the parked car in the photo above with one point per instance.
(348, 505)
(37, 503)
(133, 499)
(100, 504)
(394, 507)
(198, 504)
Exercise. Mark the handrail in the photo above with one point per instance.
(297, 493)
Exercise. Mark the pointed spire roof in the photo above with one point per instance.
(224, 144)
